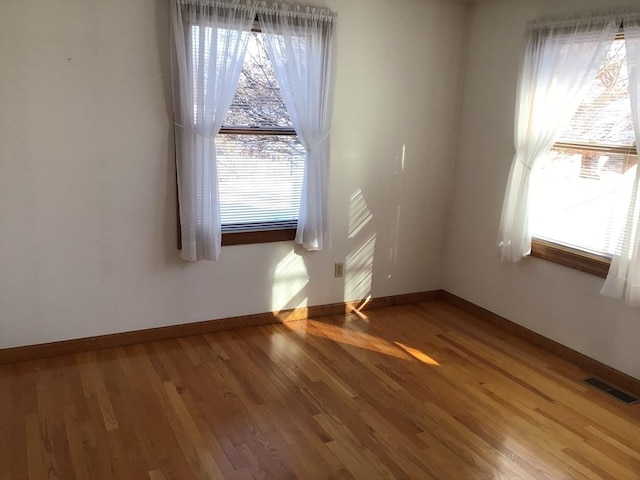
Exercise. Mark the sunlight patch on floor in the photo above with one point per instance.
(348, 337)
(366, 341)
(417, 354)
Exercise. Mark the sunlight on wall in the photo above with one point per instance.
(359, 262)
(359, 214)
(289, 281)
(393, 252)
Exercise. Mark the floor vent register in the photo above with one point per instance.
(612, 391)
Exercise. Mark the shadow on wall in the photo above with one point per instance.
(373, 237)
(170, 231)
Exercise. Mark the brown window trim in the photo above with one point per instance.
(257, 235)
(574, 257)
(571, 257)
(232, 130)
(630, 150)
(246, 238)
(262, 236)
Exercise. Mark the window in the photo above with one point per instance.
(580, 191)
(256, 181)
(260, 159)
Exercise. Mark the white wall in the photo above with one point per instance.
(87, 193)
(557, 302)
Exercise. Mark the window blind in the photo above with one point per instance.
(260, 180)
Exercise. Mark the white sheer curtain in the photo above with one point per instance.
(209, 41)
(623, 280)
(561, 58)
(300, 45)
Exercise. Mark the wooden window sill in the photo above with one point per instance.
(264, 236)
(246, 238)
(571, 257)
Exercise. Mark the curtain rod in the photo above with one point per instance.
(625, 13)
(287, 9)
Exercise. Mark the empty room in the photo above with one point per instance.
(313, 239)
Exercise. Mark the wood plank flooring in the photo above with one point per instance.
(413, 392)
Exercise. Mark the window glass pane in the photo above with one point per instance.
(260, 178)
(258, 101)
(604, 116)
(579, 198)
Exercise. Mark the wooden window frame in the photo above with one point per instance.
(271, 231)
(583, 260)
(255, 234)
(571, 257)
(258, 236)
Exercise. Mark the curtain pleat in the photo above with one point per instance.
(209, 41)
(623, 280)
(300, 45)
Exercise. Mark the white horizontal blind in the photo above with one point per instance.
(579, 194)
(261, 170)
(260, 180)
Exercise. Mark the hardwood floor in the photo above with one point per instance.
(423, 392)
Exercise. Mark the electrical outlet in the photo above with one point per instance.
(338, 270)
